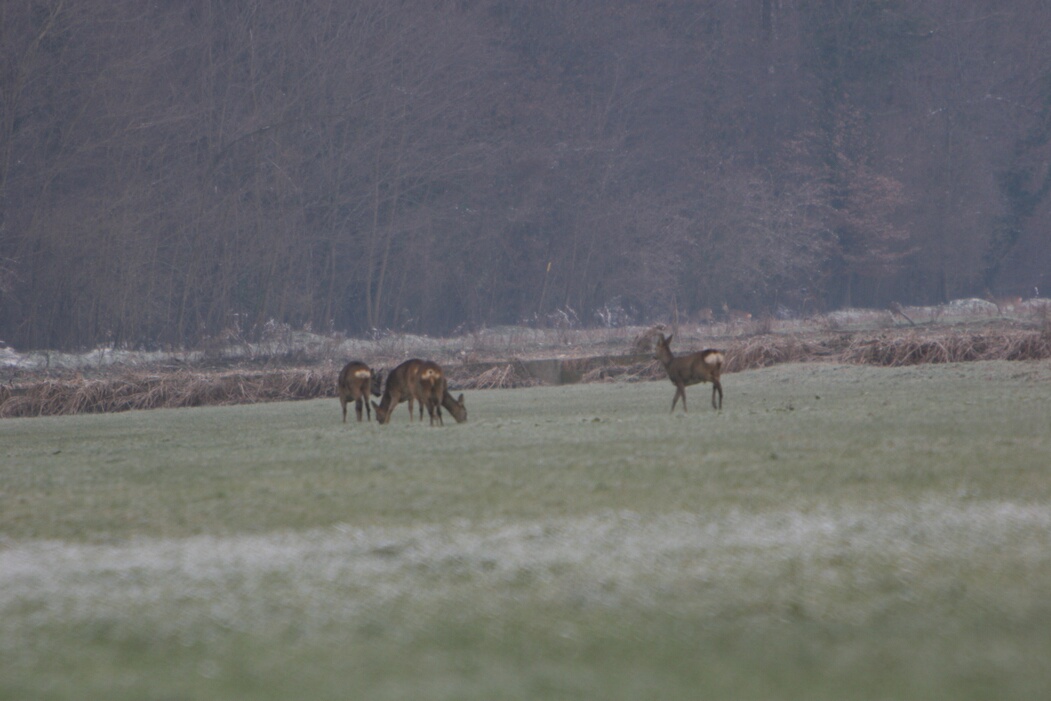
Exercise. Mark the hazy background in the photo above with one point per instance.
(171, 172)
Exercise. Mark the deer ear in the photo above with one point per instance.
(459, 400)
(668, 339)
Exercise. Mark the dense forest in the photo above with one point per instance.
(172, 172)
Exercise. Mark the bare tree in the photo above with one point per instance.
(211, 168)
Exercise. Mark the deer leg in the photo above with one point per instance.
(368, 409)
(680, 391)
(343, 403)
(395, 400)
(717, 386)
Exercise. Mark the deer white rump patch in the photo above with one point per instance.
(714, 359)
(361, 374)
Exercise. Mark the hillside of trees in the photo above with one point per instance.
(173, 172)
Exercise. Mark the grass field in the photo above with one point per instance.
(836, 532)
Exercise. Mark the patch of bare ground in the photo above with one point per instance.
(582, 358)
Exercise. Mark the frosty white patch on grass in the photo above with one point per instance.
(315, 578)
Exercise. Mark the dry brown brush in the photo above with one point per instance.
(916, 349)
(179, 389)
(186, 388)
(911, 348)
(498, 376)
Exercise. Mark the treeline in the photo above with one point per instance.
(172, 172)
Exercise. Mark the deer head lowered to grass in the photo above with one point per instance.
(397, 390)
(685, 370)
(422, 381)
(456, 407)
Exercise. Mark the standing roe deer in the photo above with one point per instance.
(735, 316)
(355, 383)
(703, 366)
(1003, 303)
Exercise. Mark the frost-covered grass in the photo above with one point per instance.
(834, 533)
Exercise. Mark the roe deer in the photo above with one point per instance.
(1003, 303)
(703, 366)
(398, 390)
(455, 406)
(422, 381)
(430, 390)
(735, 316)
(355, 383)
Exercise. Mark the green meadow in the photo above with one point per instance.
(835, 532)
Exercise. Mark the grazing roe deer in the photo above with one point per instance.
(703, 366)
(430, 390)
(456, 407)
(356, 382)
(397, 390)
(422, 381)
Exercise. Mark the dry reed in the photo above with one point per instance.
(171, 390)
(636, 372)
(184, 388)
(501, 376)
(917, 349)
